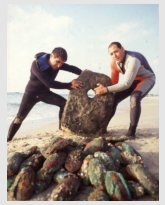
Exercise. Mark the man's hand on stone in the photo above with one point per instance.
(100, 89)
(76, 84)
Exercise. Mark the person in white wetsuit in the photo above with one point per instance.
(137, 81)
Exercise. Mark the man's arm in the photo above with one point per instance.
(48, 83)
(129, 76)
(71, 68)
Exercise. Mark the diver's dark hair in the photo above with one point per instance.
(115, 43)
(60, 52)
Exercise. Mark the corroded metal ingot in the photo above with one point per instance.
(14, 160)
(43, 180)
(56, 146)
(61, 174)
(129, 154)
(130, 158)
(126, 147)
(106, 160)
(83, 172)
(54, 162)
(24, 184)
(124, 173)
(51, 142)
(115, 153)
(94, 145)
(96, 173)
(13, 163)
(84, 115)
(98, 195)
(116, 187)
(65, 190)
(74, 160)
(84, 141)
(10, 181)
(145, 178)
(35, 161)
(136, 189)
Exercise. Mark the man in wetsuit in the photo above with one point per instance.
(44, 70)
(138, 80)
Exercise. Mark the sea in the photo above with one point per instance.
(41, 114)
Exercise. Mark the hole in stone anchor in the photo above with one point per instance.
(91, 93)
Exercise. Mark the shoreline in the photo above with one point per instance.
(51, 123)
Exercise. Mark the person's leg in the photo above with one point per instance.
(55, 99)
(120, 96)
(141, 90)
(26, 105)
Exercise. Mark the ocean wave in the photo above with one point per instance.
(18, 104)
(14, 93)
(13, 104)
(34, 118)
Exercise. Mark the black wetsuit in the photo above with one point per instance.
(42, 78)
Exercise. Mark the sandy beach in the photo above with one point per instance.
(146, 142)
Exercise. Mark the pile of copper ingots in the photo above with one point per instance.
(112, 169)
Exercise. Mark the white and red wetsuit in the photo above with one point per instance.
(138, 79)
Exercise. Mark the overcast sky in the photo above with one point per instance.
(84, 30)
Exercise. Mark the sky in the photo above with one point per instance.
(84, 30)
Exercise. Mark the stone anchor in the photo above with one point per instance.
(84, 115)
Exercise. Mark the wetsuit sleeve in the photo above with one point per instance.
(48, 83)
(133, 66)
(71, 68)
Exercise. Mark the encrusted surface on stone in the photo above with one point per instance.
(83, 114)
